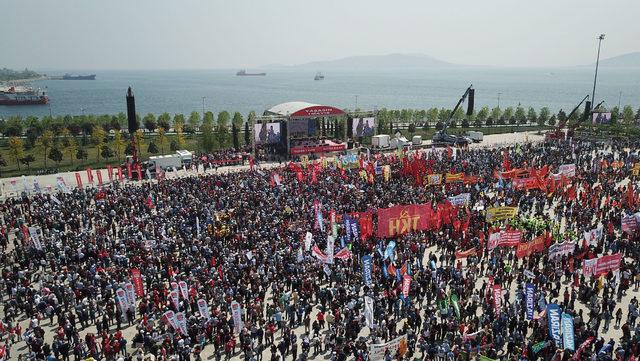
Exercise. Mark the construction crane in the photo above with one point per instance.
(441, 137)
(558, 134)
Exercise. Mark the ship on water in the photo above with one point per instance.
(319, 76)
(22, 96)
(244, 73)
(78, 77)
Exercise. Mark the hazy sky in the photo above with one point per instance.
(186, 34)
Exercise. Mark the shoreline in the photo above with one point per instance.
(24, 81)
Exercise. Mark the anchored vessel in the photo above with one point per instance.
(22, 96)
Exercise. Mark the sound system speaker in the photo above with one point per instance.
(470, 103)
(350, 144)
(131, 112)
(587, 108)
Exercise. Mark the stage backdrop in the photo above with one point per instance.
(363, 127)
(267, 133)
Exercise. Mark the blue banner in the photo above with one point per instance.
(567, 332)
(554, 315)
(530, 292)
(347, 226)
(354, 230)
(388, 253)
(366, 270)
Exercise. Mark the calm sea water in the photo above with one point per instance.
(182, 91)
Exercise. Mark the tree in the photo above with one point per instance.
(432, 115)
(82, 155)
(16, 147)
(173, 145)
(615, 115)
(489, 121)
(70, 147)
(412, 128)
(139, 136)
(106, 152)
(44, 143)
(180, 141)
(161, 139)
(508, 113)
(97, 137)
(496, 113)
(465, 123)
(483, 114)
(164, 121)
(179, 119)
(27, 160)
(13, 127)
(237, 120)
(520, 115)
(552, 120)
(222, 129)
(562, 116)
(207, 138)
(247, 138)
(208, 118)
(194, 120)
(443, 114)
(3, 163)
(627, 114)
(459, 114)
(544, 116)
(149, 122)
(55, 155)
(153, 149)
(119, 144)
(234, 134)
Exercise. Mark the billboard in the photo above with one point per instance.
(363, 127)
(267, 133)
(601, 118)
(298, 128)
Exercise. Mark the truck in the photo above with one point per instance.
(416, 140)
(475, 136)
(380, 141)
(177, 160)
(399, 142)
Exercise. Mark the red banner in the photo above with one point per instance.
(318, 149)
(497, 298)
(528, 248)
(510, 238)
(139, 171)
(137, 282)
(78, 180)
(406, 285)
(601, 265)
(110, 172)
(99, 174)
(89, 175)
(467, 253)
(403, 219)
(120, 177)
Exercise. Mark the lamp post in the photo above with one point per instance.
(356, 109)
(595, 78)
(203, 98)
(499, 100)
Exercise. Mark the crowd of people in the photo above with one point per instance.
(243, 265)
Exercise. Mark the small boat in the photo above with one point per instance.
(319, 76)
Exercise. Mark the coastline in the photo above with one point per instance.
(24, 81)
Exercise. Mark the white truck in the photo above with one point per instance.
(177, 160)
(380, 141)
(416, 140)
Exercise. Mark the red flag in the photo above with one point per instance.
(120, 174)
(129, 172)
(630, 197)
(251, 163)
(99, 174)
(89, 175)
(110, 172)
(506, 164)
(139, 170)
(78, 180)
(137, 282)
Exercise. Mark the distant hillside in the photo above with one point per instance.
(625, 60)
(9, 75)
(375, 62)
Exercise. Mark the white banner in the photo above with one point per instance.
(236, 313)
(561, 249)
(175, 298)
(203, 308)
(330, 248)
(121, 297)
(568, 170)
(460, 199)
(170, 318)
(182, 323)
(131, 295)
(376, 351)
(368, 311)
(307, 241)
(184, 290)
(33, 232)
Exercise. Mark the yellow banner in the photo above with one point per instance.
(500, 213)
(454, 177)
(636, 169)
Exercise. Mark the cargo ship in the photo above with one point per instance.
(22, 96)
(319, 76)
(244, 73)
(78, 77)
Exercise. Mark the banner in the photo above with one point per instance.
(594, 236)
(368, 311)
(568, 170)
(629, 224)
(388, 252)
(131, 295)
(366, 270)
(175, 299)
(120, 177)
(99, 174)
(460, 199)
(399, 344)
(236, 313)
(554, 314)
(121, 297)
(183, 290)
(403, 219)
(601, 265)
(406, 285)
(582, 347)
(567, 332)
(454, 177)
(110, 172)
(33, 234)
(456, 306)
(330, 248)
(89, 175)
(528, 248)
(561, 249)
(504, 239)
(203, 308)
(137, 282)
(500, 213)
(497, 298)
(170, 318)
(467, 253)
(182, 323)
(343, 254)
(78, 180)
(530, 291)
(307, 241)
(62, 186)
(317, 253)
(434, 179)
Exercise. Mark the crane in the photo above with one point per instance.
(441, 137)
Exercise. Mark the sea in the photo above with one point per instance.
(182, 91)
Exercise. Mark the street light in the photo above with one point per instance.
(203, 107)
(499, 100)
(595, 78)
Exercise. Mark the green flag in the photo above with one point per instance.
(456, 306)
(538, 347)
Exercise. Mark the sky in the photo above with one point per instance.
(233, 34)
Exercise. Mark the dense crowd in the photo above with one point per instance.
(239, 242)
